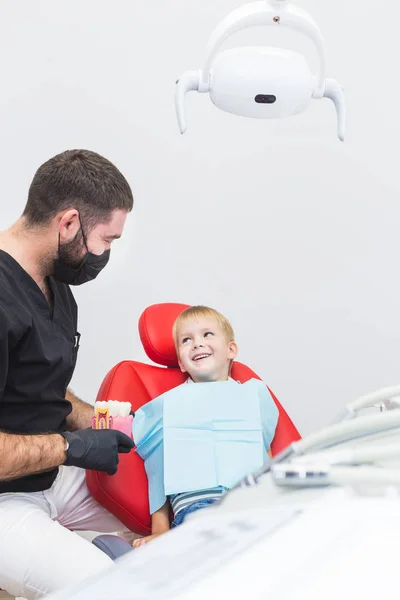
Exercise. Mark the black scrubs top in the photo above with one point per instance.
(38, 350)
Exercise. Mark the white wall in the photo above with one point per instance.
(289, 232)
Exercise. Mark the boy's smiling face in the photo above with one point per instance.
(203, 350)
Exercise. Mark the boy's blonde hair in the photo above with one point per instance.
(202, 311)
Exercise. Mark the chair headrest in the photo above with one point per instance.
(155, 331)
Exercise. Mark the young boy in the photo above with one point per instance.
(206, 347)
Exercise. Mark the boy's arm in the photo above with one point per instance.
(159, 525)
(160, 520)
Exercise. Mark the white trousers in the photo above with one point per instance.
(38, 552)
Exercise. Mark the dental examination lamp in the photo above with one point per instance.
(259, 81)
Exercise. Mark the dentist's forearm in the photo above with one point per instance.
(27, 454)
(81, 415)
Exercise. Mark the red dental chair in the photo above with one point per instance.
(125, 493)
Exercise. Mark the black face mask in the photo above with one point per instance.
(71, 273)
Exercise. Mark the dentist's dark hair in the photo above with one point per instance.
(78, 179)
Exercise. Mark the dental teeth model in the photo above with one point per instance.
(113, 414)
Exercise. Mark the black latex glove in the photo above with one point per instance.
(96, 449)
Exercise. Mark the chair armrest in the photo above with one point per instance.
(112, 545)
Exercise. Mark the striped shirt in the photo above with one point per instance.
(184, 499)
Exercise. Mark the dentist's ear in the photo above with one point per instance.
(68, 224)
(233, 350)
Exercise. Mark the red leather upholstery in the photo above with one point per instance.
(155, 330)
(125, 493)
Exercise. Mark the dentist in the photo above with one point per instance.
(77, 205)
